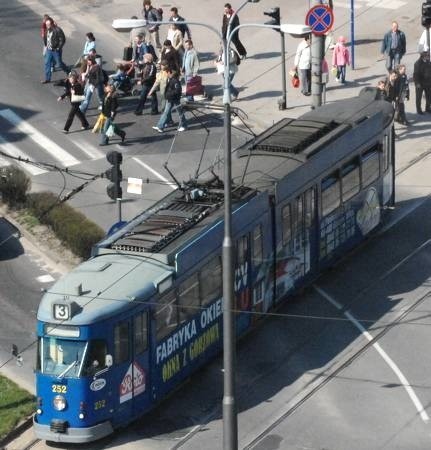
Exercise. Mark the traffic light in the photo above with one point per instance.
(114, 175)
(275, 14)
(426, 14)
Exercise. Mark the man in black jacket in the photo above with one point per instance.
(228, 13)
(173, 97)
(55, 41)
(147, 79)
(422, 79)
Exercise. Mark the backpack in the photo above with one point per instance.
(159, 13)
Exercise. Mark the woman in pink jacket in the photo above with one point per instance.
(341, 58)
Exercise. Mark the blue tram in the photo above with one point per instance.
(123, 329)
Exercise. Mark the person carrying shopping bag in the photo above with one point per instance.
(109, 110)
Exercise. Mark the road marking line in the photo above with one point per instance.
(40, 139)
(89, 150)
(169, 183)
(14, 151)
(403, 380)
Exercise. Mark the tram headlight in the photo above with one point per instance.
(59, 403)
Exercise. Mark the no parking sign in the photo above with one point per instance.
(320, 19)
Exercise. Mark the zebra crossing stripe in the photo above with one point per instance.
(65, 158)
(13, 150)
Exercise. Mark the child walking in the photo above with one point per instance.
(341, 58)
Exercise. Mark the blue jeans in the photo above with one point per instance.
(50, 57)
(166, 117)
(341, 73)
(392, 60)
(88, 92)
(143, 98)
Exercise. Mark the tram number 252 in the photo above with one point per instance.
(59, 388)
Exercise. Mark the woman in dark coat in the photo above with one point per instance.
(72, 86)
(109, 110)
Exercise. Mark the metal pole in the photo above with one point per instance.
(317, 49)
(283, 102)
(428, 41)
(352, 32)
(119, 209)
(230, 421)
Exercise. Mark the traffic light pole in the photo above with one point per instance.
(119, 209)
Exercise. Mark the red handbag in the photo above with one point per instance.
(295, 81)
(194, 86)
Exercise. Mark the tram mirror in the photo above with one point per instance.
(108, 360)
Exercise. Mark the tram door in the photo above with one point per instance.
(242, 281)
(132, 365)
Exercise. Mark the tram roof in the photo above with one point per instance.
(289, 144)
(312, 143)
(103, 286)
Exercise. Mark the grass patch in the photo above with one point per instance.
(15, 404)
(28, 220)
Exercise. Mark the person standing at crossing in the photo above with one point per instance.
(55, 40)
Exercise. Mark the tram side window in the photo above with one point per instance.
(188, 298)
(286, 224)
(141, 332)
(166, 315)
(351, 181)
(370, 166)
(95, 360)
(330, 193)
(241, 250)
(257, 245)
(310, 211)
(121, 342)
(210, 281)
(298, 219)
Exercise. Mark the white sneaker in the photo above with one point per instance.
(181, 129)
(157, 129)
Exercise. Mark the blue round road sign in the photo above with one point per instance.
(320, 19)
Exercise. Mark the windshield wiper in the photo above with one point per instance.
(62, 374)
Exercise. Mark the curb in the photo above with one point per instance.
(52, 258)
(17, 431)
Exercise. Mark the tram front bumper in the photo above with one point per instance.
(72, 435)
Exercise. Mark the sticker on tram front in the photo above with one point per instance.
(98, 384)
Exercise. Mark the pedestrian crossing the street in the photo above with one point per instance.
(36, 146)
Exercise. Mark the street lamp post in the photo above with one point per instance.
(230, 422)
(230, 428)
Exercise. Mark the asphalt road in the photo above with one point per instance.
(23, 275)
(288, 359)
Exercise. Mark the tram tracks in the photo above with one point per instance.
(308, 393)
(335, 373)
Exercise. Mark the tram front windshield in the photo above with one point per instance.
(69, 358)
